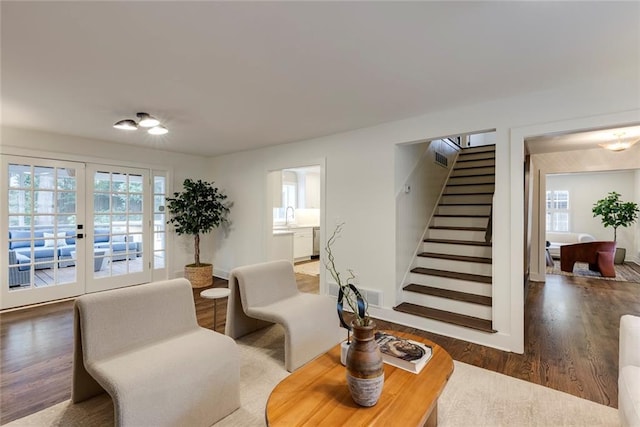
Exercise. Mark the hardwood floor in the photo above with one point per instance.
(571, 334)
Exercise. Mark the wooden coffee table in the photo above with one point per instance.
(317, 394)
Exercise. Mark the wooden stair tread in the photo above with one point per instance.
(460, 165)
(446, 227)
(472, 176)
(464, 204)
(469, 183)
(468, 194)
(446, 316)
(491, 156)
(460, 216)
(449, 294)
(465, 258)
(480, 148)
(453, 275)
(458, 242)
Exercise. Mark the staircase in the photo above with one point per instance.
(452, 277)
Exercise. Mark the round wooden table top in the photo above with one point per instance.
(317, 393)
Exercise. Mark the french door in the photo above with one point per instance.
(73, 228)
(118, 227)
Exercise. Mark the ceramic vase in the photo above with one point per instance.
(365, 371)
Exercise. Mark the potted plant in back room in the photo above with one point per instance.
(197, 209)
(616, 213)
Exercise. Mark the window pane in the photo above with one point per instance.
(101, 202)
(135, 184)
(135, 203)
(43, 201)
(118, 203)
(561, 221)
(66, 202)
(44, 177)
(158, 259)
(159, 184)
(119, 183)
(19, 176)
(102, 181)
(158, 203)
(19, 201)
(561, 199)
(66, 179)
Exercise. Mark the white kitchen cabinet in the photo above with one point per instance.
(303, 243)
(312, 190)
(282, 246)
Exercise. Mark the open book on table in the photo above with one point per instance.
(406, 354)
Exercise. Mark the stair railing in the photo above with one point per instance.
(489, 232)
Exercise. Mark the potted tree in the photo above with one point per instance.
(616, 213)
(198, 209)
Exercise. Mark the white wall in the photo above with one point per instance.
(415, 208)
(32, 143)
(361, 184)
(587, 188)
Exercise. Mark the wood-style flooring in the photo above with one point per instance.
(571, 342)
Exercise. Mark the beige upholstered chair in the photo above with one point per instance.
(143, 346)
(266, 293)
(629, 371)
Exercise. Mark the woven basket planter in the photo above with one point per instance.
(200, 277)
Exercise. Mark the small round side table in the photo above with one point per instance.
(215, 294)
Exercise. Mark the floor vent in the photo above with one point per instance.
(441, 160)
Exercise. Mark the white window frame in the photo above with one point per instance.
(558, 210)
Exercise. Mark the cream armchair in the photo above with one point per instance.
(629, 371)
(266, 293)
(143, 346)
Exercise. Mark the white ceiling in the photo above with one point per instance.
(581, 140)
(230, 76)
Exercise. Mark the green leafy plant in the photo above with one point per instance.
(615, 213)
(198, 209)
(356, 302)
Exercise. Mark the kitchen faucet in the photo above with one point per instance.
(286, 215)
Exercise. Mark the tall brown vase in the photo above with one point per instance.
(365, 372)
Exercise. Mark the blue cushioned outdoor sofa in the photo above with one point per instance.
(44, 249)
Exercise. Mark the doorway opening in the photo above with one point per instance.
(294, 213)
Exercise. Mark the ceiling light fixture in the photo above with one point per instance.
(126, 124)
(158, 130)
(618, 145)
(147, 121)
(144, 120)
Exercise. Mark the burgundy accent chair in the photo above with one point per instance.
(599, 256)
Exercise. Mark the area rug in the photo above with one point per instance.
(309, 268)
(624, 272)
(473, 397)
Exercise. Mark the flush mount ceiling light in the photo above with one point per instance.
(618, 145)
(126, 124)
(158, 130)
(144, 120)
(147, 121)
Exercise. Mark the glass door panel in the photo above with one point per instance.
(121, 214)
(159, 222)
(42, 217)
